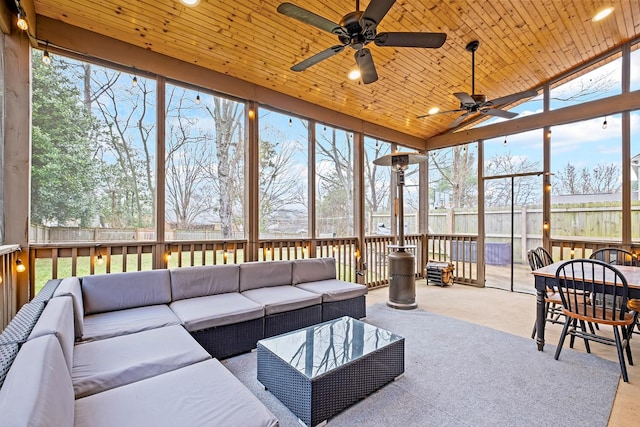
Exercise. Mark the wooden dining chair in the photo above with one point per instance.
(595, 277)
(538, 258)
(615, 256)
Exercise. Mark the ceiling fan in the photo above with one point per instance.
(356, 30)
(477, 103)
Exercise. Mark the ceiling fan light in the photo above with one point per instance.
(602, 14)
(434, 110)
(354, 74)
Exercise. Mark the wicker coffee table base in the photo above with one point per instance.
(318, 399)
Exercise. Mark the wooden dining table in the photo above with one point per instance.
(545, 277)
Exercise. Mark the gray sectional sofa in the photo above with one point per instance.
(141, 348)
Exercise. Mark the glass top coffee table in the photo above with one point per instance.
(320, 370)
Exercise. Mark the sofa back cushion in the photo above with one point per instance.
(70, 286)
(57, 319)
(313, 270)
(262, 274)
(118, 291)
(193, 282)
(38, 389)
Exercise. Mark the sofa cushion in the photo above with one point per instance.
(38, 390)
(202, 394)
(278, 299)
(216, 310)
(313, 270)
(118, 291)
(262, 274)
(114, 362)
(71, 286)
(334, 290)
(57, 319)
(192, 282)
(122, 322)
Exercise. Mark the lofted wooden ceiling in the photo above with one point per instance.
(523, 43)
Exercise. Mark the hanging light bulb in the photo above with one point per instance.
(505, 141)
(46, 59)
(324, 131)
(604, 124)
(99, 260)
(22, 20)
(290, 122)
(198, 99)
(135, 81)
(20, 266)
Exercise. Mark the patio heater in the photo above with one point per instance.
(402, 281)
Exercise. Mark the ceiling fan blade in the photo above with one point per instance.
(499, 113)
(427, 40)
(303, 15)
(459, 120)
(312, 60)
(366, 66)
(465, 99)
(374, 13)
(513, 98)
(439, 112)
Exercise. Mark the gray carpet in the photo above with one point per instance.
(461, 374)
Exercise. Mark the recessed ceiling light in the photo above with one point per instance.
(434, 110)
(190, 2)
(354, 74)
(602, 14)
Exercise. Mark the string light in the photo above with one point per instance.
(290, 122)
(251, 114)
(22, 20)
(604, 124)
(20, 266)
(198, 99)
(99, 259)
(505, 141)
(46, 59)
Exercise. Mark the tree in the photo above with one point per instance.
(64, 169)
(128, 139)
(526, 189)
(602, 179)
(229, 149)
(281, 190)
(456, 167)
(334, 175)
(377, 180)
(189, 188)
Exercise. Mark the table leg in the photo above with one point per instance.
(540, 319)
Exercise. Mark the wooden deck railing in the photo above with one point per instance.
(564, 249)
(50, 261)
(8, 291)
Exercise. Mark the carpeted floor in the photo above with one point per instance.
(461, 374)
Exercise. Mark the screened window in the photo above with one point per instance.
(377, 192)
(93, 153)
(635, 174)
(635, 67)
(453, 189)
(334, 182)
(600, 81)
(204, 166)
(283, 175)
(586, 192)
